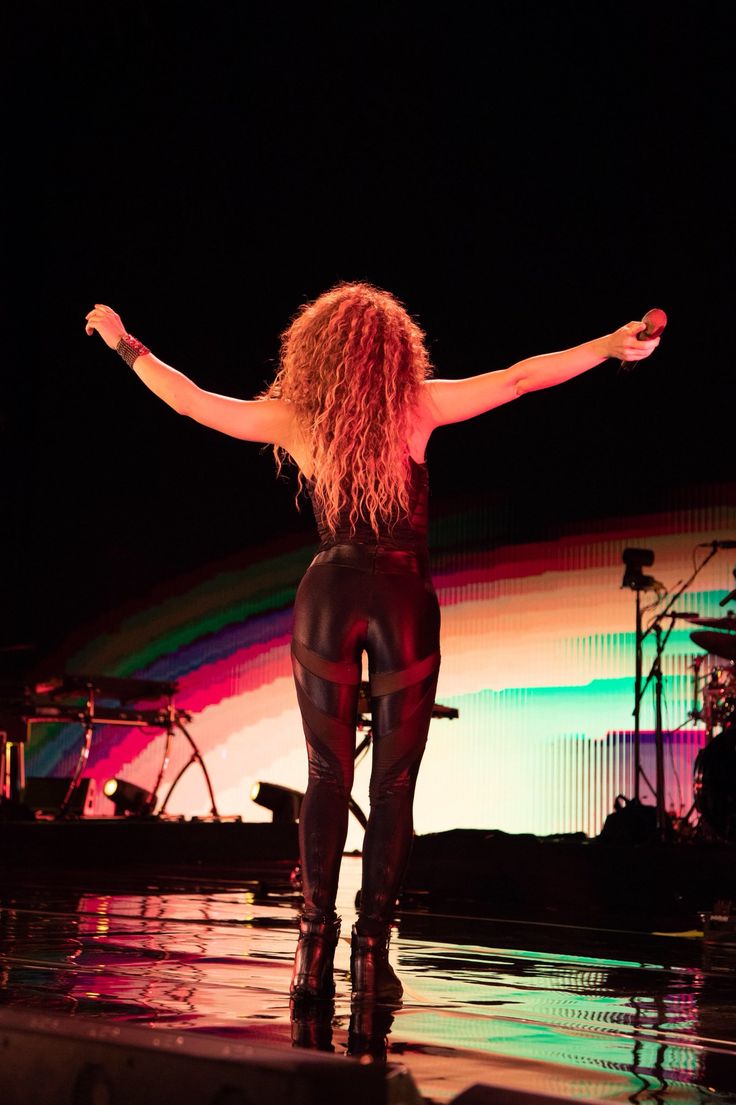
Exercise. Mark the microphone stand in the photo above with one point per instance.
(638, 692)
(658, 732)
(655, 673)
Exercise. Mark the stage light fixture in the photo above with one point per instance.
(284, 804)
(129, 800)
(634, 578)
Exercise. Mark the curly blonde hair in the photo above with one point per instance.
(352, 363)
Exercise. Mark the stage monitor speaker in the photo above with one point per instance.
(72, 1061)
(46, 795)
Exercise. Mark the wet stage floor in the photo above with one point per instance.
(590, 1014)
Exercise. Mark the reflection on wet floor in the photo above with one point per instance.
(620, 1016)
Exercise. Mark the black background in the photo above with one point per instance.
(523, 176)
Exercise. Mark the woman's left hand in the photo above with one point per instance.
(107, 323)
(624, 345)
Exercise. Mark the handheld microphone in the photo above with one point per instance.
(718, 545)
(655, 322)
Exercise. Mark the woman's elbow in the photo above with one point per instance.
(517, 383)
(183, 401)
(178, 405)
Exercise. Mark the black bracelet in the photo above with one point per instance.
(130, 349)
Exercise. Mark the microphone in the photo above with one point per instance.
(729, 598)
(655, 322)
(717, 545)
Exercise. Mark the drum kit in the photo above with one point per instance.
(714, 681)
(714, 695)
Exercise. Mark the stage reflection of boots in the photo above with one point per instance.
(315, 951)
(311, 1023)
(371, 974)
(369, 1030)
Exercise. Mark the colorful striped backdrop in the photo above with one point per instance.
(538, 657)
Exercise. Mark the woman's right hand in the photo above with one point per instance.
(624, 344)
(107, 323)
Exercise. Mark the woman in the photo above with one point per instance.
(353, 406)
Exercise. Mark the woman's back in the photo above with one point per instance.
(407, 532)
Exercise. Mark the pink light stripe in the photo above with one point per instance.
(129, 744)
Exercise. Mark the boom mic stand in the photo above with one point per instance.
(655, 673)
(634, 560)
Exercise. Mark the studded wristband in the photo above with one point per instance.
(130, 349)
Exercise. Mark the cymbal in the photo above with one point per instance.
(720, 644)
(727, 623)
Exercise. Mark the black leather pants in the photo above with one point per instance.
(356, 598)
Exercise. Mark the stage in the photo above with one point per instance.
(562, 879)
(203, 966)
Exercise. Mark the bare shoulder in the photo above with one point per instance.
(427, 400)
(296, 442)
(286, 431)
(422, 423)
(429, 408)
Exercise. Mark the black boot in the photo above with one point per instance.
(315, 952)
(371, 974)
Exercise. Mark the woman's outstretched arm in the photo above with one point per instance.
(456, 400)
(267, 420)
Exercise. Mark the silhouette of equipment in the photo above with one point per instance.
(89, 701)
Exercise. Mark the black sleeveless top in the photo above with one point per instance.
(408, 533)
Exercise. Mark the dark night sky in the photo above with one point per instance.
(521, 186)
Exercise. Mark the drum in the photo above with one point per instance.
(714, 784)
(719, 697)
